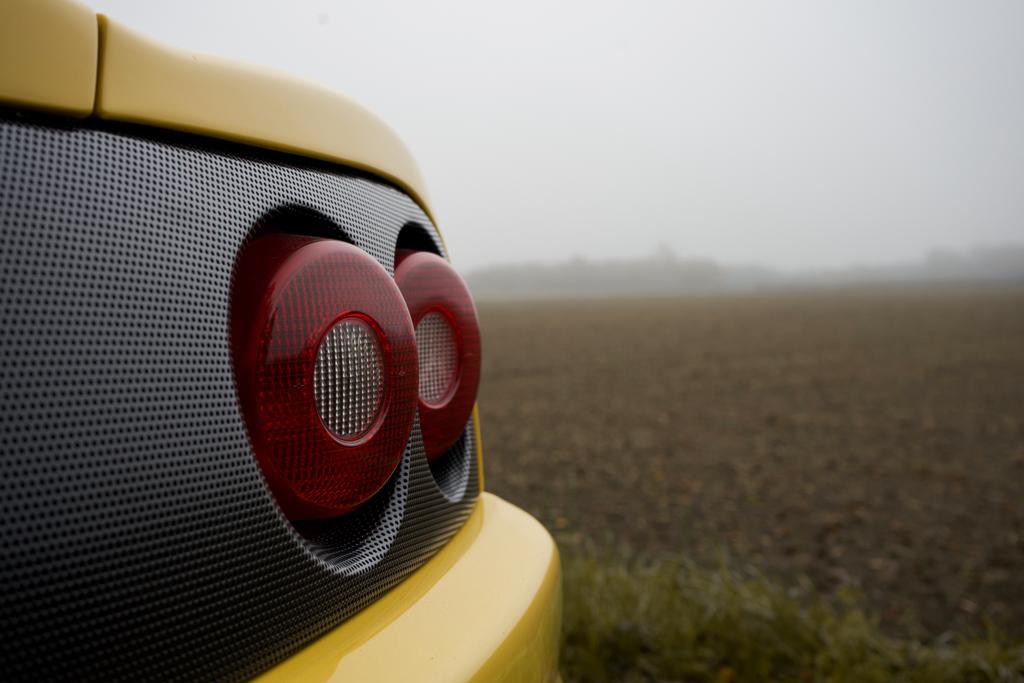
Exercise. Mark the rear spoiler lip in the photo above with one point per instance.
(58, 56)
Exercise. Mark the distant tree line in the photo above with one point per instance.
(666, 274)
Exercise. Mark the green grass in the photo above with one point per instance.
(631, 620)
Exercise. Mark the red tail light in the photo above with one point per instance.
(326, 364)
(448, 342)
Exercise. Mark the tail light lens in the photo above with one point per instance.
(326, 364)
(448, 342)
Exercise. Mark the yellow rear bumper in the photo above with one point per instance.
(487, 607)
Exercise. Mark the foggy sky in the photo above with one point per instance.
(789, 134)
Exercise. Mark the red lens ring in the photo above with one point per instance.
(429, 283)
(289, 292)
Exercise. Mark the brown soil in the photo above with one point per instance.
(864, 438)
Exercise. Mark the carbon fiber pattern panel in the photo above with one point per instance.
(139, 538)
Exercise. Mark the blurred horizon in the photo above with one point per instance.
(665, 272)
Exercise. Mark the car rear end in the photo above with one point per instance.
(237, 424)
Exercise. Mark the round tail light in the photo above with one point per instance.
(325, 359)
(448, 343)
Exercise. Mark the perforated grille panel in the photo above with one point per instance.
(139, 538)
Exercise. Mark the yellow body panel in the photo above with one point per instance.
(59, 56)
(487, 607)
(48, 55)
(142, 81)
(479, 444)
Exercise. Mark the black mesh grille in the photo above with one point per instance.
(139, 539)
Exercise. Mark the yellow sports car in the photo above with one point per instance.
(238, 434)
